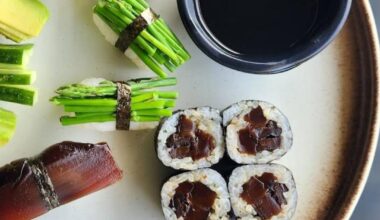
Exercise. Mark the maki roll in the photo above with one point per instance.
(191, 139)
(198, 195)
(106, 105)
(64, 172)
(262, 192)
(256, 132)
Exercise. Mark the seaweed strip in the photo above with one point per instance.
(132, 31)
(123, 110)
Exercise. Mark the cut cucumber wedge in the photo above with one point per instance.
(16, 76)
(14, 56)
(7, 126)
(24, 95)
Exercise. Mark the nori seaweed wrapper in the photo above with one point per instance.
(123, 110)
(44, 184)
(132, 31)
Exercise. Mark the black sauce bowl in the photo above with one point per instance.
(331, 17)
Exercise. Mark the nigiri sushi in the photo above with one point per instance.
(106, 105)
(137, 31)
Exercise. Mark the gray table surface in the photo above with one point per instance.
(369, 204)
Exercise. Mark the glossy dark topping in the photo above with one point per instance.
(265, 194)
(189, 141)
(192, 201)
(260, 134)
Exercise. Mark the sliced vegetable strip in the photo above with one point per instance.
(15, 80)
(7, 126)
(22, 19)
(15, 56)
(16, 76)
(18, 94)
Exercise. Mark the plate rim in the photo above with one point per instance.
(356, 188)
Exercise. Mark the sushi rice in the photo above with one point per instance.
(208, 177)
(206, 119)
(242, 174)
(112, 38)
(233, 121)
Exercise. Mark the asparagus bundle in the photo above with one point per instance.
(132, 25)
(7, 126)
(66, 171)
(22, 19)
(15, 80)
(106, 105)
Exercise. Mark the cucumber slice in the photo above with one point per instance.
(7, 126)
(17, 76)
(24, 95)
(14, 56)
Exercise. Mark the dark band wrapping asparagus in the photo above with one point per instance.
(130, 33)
(62, 173)
(106, 105)
(123, 111)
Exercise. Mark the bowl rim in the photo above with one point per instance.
(190, 14)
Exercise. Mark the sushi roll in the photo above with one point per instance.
(200, 195)
(256, 132)
(106, 105)
(191, 139)
(261, 192)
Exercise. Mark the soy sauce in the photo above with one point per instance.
(259, 27)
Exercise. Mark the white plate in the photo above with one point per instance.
(322, 98)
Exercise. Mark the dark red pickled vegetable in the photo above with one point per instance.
(72, 169)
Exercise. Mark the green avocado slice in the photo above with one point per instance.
(22, 19)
